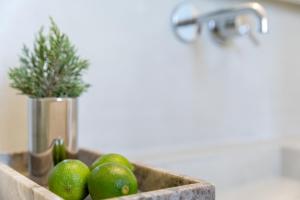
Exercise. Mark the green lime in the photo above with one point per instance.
(68, 179)
(111, 180)
(112, 158)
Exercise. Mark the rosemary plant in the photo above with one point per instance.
(51, 69)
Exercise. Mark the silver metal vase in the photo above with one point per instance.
(52, 134)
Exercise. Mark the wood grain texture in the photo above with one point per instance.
(153, 183)
(15, 186)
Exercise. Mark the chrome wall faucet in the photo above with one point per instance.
(224, 24)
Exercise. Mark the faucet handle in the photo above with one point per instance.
(184, 22)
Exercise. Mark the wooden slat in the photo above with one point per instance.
(15, 186)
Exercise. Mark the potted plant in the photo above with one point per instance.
(51, 76)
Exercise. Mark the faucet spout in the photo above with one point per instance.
(224, 21)
(256, 9)
(262, 16)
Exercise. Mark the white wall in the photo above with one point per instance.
(151, 92)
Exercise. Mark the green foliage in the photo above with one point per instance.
(52, 69)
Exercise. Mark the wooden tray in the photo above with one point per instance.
(153, 183)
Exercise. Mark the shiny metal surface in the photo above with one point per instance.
(51, 121)
(224, 23)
